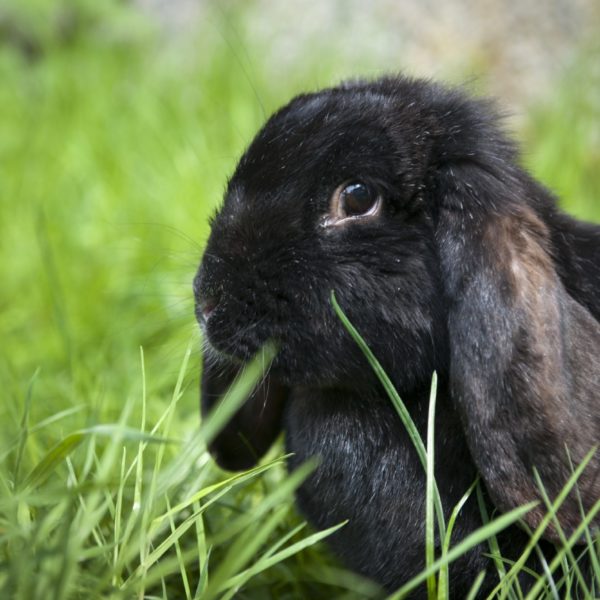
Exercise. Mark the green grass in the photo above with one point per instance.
(114, 151)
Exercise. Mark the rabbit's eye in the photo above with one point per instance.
(356, 199)
(352, 201)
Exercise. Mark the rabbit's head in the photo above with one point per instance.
(331, 195)
(406, 199)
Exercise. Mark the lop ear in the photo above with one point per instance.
(253, 428)
(525, 356)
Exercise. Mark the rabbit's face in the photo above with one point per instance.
(327, 197)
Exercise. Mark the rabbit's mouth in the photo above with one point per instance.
(236, 327)
(293, 363)
(226, 334)
(222, 339)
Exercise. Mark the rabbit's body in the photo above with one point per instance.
(370, 475)
(408, 201)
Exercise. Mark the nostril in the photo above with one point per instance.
(206, 299)
(207, 306)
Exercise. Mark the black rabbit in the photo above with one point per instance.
(407, 200)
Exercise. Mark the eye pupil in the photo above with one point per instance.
(357, 199)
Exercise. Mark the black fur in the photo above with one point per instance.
(469, 269)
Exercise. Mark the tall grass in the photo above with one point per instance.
(114, 151)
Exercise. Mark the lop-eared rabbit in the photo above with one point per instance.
(407, 200)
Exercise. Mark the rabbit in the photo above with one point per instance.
(406, 198)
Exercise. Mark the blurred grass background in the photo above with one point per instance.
(119, 123)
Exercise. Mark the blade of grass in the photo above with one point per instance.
(503, 587)
(157, 549)
(96, 531)
(407, 420)
(339, 577)
(492, 541)
(62, 414)
(152, 533)
(429, 493)
(443, 586)
(118, 518)
(470, 541)
(229, 482)
(241, 551)
(203, 580)
(278, 495)
(284, 539)
(593, 555)
(563, 538)
(268, 560)
(24, 429)
(57, 454)
(203, 551)
(153, 492)
(472, 595)
(168, 565)
(179, 554)
(139, 477)
(572, 540)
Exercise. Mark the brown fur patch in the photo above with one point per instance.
(550, 392)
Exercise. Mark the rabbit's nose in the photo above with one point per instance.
(207, 307)
(206, 302)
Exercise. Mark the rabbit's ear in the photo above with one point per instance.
(253, 428)
(525, 356)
